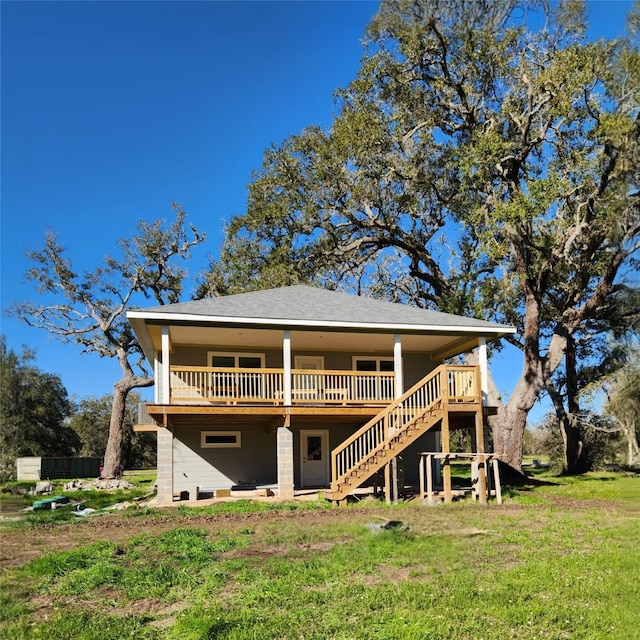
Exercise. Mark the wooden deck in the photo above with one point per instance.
(258, 394)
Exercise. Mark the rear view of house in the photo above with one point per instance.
(299, 387)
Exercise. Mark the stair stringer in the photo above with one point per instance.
(392, 446)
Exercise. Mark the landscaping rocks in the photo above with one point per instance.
(113, 484)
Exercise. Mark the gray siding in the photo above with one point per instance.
(197, 356)
(254, 461)
(415, 367)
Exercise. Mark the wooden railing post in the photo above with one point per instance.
(482, 480)
(387, 483)
(429, 465)
(496, 479)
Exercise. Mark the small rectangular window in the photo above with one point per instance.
(249, 362)
(220, 439)
(366, 365)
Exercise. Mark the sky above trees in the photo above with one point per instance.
(112, 111)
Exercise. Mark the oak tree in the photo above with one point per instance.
(88, 309)
(484, 161)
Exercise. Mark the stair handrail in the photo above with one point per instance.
(390, 420)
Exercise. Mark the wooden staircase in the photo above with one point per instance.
(390, 432)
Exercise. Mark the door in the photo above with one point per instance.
(308, 386)
(314, 458)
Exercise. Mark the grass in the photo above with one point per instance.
(557, 560)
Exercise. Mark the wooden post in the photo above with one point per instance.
(496, 477)
(429, 463)
(475, 480)
(421, 465)
(387, 483)
(446, 448)
(482, 480)
(479, 446)
(394, 469)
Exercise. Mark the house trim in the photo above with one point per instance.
(222, 321)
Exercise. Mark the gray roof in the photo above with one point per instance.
(309, 304)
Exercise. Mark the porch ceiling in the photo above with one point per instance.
(439, 346)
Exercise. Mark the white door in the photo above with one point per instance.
(308, 386)
(314, 458)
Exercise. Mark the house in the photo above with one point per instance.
(300, 387)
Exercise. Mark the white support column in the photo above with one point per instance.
(399, 380)
(166, 380)
(157, 374)
(397, 364)
(484, 369)
(286, 365)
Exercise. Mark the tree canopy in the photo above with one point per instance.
(484, 161)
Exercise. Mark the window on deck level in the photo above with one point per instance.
(236, 360)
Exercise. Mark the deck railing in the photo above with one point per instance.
(231, 385)
(463, 383)
(342, 387)
(245, 385)
(238, 385)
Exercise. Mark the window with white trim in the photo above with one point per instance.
(220, 439)
(236, 360)
(368, 363)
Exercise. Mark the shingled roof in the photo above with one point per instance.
(305, 305)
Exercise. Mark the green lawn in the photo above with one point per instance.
(558, 560)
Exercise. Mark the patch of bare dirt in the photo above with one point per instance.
(107, 599)
(574, 504)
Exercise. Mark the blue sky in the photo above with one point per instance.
(111, 111)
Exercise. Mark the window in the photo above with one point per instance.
(220, 439)
(361, 363)
(236, 360)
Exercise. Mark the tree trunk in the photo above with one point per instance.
(113, 455)
(633, 451)
(508, 434)
(572, 438)
(509, 424)
(569, 424)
